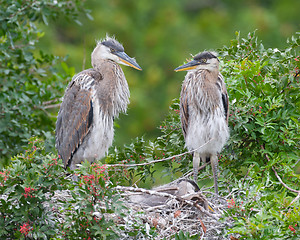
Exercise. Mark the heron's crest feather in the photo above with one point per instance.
(206, 54)
(111, 42)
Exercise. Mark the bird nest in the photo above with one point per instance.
(165, 210)
(174, 207)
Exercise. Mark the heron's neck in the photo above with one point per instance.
(114, 86)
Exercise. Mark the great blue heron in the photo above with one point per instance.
(94, 97)
(204, 110)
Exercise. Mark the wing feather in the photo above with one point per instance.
(73, 122)
(184, 109)
(225, 99)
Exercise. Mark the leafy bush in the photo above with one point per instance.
(26, 185)
(38, 201)
(29, 77)
(263, 86)
(94, 192)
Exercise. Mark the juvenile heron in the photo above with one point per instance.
(204, 110)
(94, 97)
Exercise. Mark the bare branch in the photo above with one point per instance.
(280, 180)
(296, 199)
(286, 186)
(52, 106)
(199, 169)
(159, 160)
(51, 101)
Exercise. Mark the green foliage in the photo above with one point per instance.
(93, 188)
(263, 86)
(26, 185)
(185, 236)
(28, 209)
(29, 77)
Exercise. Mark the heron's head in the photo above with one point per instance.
(204, 60)
(111, 49)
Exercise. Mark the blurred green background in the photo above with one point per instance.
(161, 34)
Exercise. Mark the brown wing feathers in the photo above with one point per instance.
(184, 112)
(73, 122)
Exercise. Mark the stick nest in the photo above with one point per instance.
(174, 207)
(165, 210)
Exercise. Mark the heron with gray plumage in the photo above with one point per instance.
(204, 111)
(94, 97)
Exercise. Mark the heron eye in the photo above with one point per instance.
(204, 60)
(112, 50)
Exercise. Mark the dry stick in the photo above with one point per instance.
(51, 101)
(199, 169)
(280, 180)
(156, 161)
(163, 194)
(247, 174)
(52, 106)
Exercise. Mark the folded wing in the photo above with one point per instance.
(73, 121)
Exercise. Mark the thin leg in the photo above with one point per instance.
(74, 177)
(214, 166)
(196, 163)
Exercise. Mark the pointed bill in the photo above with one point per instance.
(188, 66)
(126, 60)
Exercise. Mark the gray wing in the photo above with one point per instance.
(73, 121)
(184, 109)
(225, 100)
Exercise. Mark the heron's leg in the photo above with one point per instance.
(214, 166)
(196, 163)
(74, 176)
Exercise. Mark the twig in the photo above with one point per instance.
(52, 106)
(159, 160)
(188, 173)
(244, 178)
(286, 186)
(216, 195)
(199, 169)
(280, 180)
(51, 101)
(154, 208)
(296, 163)
(295, 199)
(49, 104)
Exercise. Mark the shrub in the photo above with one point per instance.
(263, 86)
(29, 77)
(26, 185)
(38, 201)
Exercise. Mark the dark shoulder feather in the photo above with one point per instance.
(225, 100)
